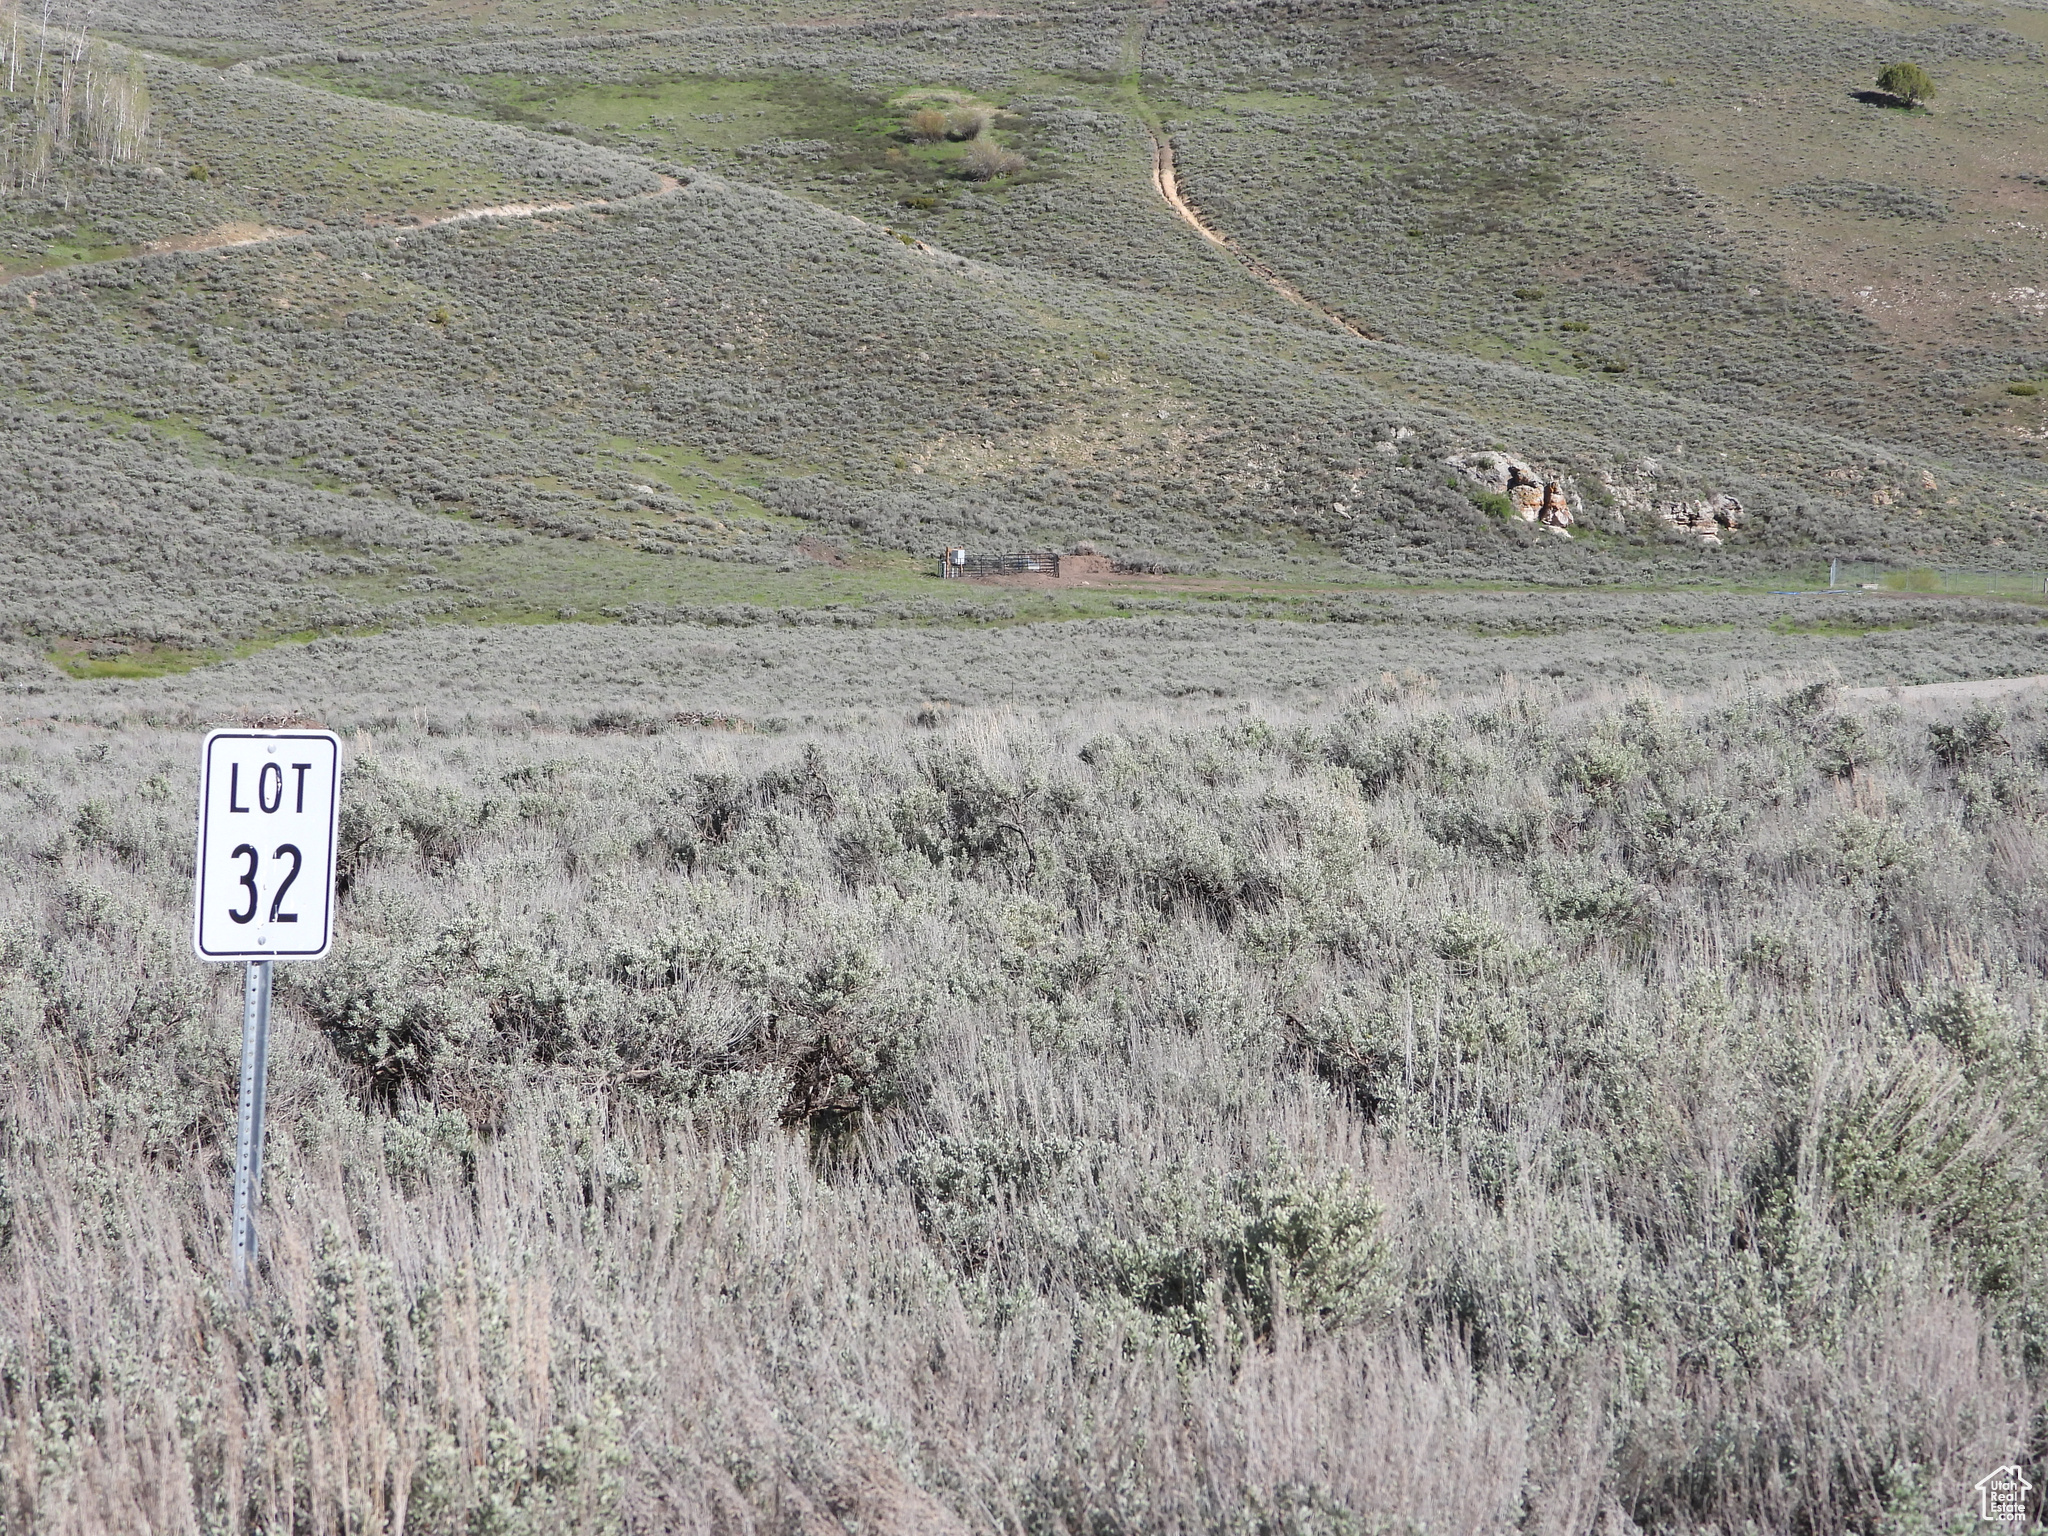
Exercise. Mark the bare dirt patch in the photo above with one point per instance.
(822, 551)
(221, 237)
(1940, 693)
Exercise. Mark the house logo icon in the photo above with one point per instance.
(2002, 1497)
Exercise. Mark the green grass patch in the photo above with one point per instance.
(76, 245)
(696, 477)
(767, 118)
(704, 112)
(1922, 581)
(99, 659)
(1913, 581)
(1834, 629)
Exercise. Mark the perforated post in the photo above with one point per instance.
(249, 1120)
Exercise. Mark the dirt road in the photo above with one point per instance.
(240, 236)
(1167, 183)
(1945, 693)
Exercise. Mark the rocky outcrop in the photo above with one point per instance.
(1712, 519)
(1547, 499)
(1550, 498)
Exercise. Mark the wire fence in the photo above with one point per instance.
(1870, 576)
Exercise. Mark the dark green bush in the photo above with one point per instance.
(1907, 82)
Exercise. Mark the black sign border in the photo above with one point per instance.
(199, 852)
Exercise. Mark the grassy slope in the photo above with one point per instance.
(234, 155)
(667, 400)
(1770, 239)
(1477, 1114)
(1585, 150)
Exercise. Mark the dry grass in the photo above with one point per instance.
(985, 160)
(1518, 1113)
(964, 123)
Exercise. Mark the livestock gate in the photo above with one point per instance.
(958, 562)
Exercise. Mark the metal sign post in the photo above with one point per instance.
(263, 891)
(249, 1118)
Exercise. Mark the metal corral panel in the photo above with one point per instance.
(957, 562)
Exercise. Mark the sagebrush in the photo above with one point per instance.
(1506, 1113)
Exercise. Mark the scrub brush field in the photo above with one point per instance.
(1473, 962)
(1511, 1113)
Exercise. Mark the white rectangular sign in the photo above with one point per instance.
(268, 802)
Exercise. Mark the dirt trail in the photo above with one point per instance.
(1167, 184)
(240, 236)
(220, 237)
(1943, 693)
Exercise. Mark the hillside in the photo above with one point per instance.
(1591, 256)
(1353, 1009)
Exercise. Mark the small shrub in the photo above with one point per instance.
(927, 126)
(985, 160)
(379, 1019)
(443, 825)
(1968, 1019)
(672, 846)
(1871, 856)
(1505, 834)
(369, 829)
(1916, 1141)
(1467, 940)
(1907, 82)
(1980, 734)
(1844, 745)
(1566, 896)
(2027, 390)
(964, 123)
(723, 803)
(1313, 1250)
(1600, 766)
(1783, 960)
